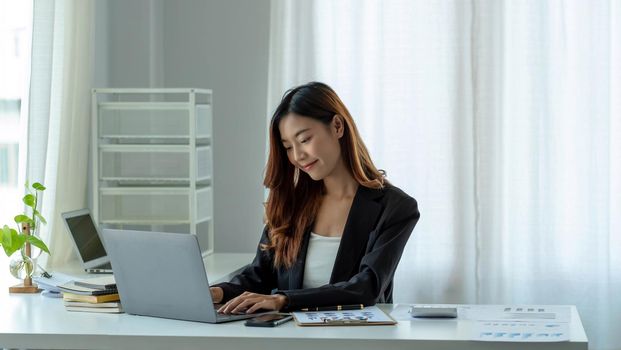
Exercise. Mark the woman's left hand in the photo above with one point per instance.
(251, 302)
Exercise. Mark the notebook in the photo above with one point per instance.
(72, 287)
(102, 282)
(163, 275)
(86, 241)
(95, 299)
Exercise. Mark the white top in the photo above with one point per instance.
(320, 258)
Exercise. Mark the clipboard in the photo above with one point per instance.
(369, 316)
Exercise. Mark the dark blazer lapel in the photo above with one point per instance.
(296, 274)
(360, 222)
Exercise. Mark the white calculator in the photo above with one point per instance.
(433, 311)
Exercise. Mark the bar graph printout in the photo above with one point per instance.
(519, 323)
(520, 331)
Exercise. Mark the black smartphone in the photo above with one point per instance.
(269, 320)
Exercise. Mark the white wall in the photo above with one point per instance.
(100, 58)
(221, 45)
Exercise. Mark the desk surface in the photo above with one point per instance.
(34, 321)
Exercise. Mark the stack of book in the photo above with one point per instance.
(92, 295)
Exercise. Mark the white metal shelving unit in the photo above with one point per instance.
(153, 161)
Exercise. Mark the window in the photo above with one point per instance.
(9, 141)
(15, 39)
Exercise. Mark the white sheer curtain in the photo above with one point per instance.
(503, 119)
(59, 114)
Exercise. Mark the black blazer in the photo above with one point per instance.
(378, 227)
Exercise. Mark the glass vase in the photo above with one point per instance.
(22, 266)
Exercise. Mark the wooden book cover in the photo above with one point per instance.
(91, 298)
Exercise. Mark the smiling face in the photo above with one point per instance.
(311, 145)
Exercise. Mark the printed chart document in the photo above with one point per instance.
(516, 313)
(369, 316)
(519, 323)
(520, 331)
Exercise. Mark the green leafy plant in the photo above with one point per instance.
(13, 240)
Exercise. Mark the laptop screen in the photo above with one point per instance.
(85, 236)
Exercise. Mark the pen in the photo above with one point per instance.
(335, 308)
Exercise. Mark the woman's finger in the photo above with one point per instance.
(246, 304)
(264, 304)
(226, 309)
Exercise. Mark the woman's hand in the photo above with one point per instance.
(216, 294)
(251, 302)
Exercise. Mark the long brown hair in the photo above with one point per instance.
(294, 197)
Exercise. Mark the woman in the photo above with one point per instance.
(335, 228)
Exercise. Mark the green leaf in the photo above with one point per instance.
(29, 200)
(38, 186)
(41, 218)
(6, 236)
(17, 242)
(7, 250)
(35, 241)
(22, 218)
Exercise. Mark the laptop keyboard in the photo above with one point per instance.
(220, 316)
(225, 317)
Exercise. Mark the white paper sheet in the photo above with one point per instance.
(519, 331)
(53, 282)
(511, 323)
(516, 313)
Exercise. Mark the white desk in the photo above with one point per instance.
(34, 321)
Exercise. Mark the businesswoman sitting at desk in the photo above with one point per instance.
(335, 228)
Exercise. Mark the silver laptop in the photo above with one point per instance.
(86, 241)
(162, 275)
